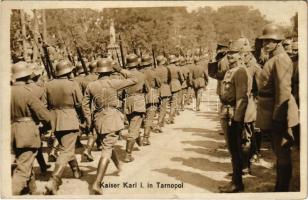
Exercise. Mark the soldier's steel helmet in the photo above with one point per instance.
(104, 65)
(161, 60)
(20, 70)
(79, 68)
(182, 61)
(63, 67)
(272, 31)
(36, 70)
(172, 59)
(93, 65)
(241, 44)
(146, 60)
(132, 60)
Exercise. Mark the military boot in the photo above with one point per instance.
(231, 188)
(74, 166)
(129, 149)
(53, 155)
(87, 152)
(283, 177)
(101, 171)
(146, 136)
(32, 186)
(139, 140)
(55, 181)
(114, 158)
(78, 143)
(98, 144)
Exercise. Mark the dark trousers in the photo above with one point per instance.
(234, 135)
(281, 144)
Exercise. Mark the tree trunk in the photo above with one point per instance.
(23, 32)
(35, 36)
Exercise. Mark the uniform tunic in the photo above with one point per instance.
(26, 111)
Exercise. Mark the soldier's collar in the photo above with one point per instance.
(278, 50)
(19, 83)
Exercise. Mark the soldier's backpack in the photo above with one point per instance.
(227, 88)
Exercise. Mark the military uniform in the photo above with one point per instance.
(251, 137)
(107, 119)
(38, 91)
(175, 86)
(26, 111)
(199, 82)
(63, 98)
(163, 74)
(152, 101)
(186, 73)
(277, 111)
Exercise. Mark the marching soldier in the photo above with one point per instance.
(108, 120)
(92, 136)
(26, 112)
(64, 98)
(151, 98)
(175, 86)
(163, 74)
(186, 74)
(234, 97)
(134, 106)
(199, 79)
(277, 111)
(37, 91)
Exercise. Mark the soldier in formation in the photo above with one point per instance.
(98, 104)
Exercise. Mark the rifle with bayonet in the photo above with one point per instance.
(66, 48)
(121, 50)
(47, 57)
(79, 54)
(153, 54)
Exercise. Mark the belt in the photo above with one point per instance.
(265, 94)
(135, 93)
(62, 107)
(23, 119)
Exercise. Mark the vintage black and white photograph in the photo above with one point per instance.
(154, 99)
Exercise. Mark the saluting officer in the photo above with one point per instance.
(163, 75)
(175, 86)
(277, 111)
(26, 111)
(64, 98)
(234, 97)
(134, 106)
(104, 116)
(151, 98)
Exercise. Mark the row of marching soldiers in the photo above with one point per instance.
(258, 98)
(99, 104)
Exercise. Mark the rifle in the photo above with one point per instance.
(44, 61)
(118, 58)
(79, 54)
(153, 54)
(48, 61)
(121, 50)
(66, 48)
